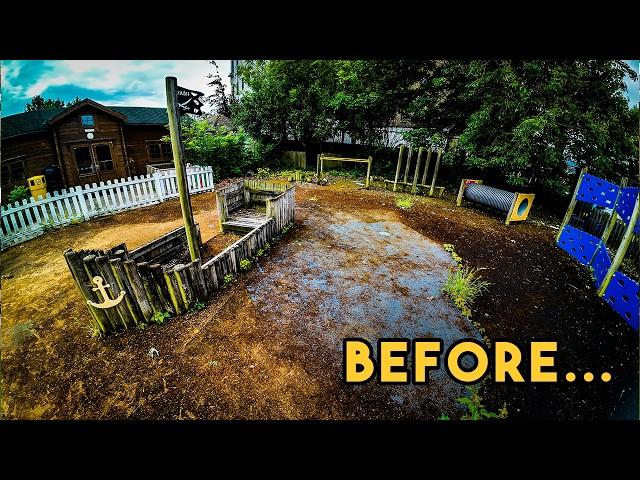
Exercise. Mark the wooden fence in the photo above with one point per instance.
(30, 218)
(281, 208)
(152, 285)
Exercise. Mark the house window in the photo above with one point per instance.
(13, 171)
(103, 156)
(91, 159)
(83, 160)
(87, 121)
(159, 151)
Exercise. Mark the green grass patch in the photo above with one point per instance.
(405, 202)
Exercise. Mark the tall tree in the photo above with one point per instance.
(522, 120)
(220, 100)
(287, 99)
(40, 103)
(370, 93)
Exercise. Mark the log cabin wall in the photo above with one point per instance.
(138, 139)
(71, 135)
(25, 156)
(32, 141)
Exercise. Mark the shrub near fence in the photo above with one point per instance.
(30, 218)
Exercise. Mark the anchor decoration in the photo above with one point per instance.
(189, 101)
(102, 288)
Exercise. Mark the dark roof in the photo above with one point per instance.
(30, 122)
(217, 119)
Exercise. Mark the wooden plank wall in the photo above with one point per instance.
(152, 288)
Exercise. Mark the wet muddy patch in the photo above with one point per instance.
(365, 275)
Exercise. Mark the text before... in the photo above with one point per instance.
(402, 361)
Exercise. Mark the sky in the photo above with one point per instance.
(123, 82)
(137, 83)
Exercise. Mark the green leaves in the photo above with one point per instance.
(522, 120)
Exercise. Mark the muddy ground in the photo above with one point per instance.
(269, 345)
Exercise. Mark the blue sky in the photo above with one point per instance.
(110, 82)
(122, 82)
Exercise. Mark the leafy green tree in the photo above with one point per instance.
(522, 120)
(230, 153)
(220, 100)
(287, 100)
(369, 95)
(38, 102)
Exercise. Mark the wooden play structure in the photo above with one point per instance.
(322, 157)
(515, 205)
(415, 187)
(617, 289)
(125, 289)
(237, 204)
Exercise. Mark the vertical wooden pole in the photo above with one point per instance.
(426, 168)
(435, 172)
(415, 175)
(318, 166)
(171, 84)
(366, 183)
(572, 204)
(395, 182)
(622, 249)
(406, 168)
(460, 193)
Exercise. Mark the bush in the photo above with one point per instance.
(229, 152)
(405, 202)
(464, 285)
(19, 193)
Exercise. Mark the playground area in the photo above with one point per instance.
(269, 345)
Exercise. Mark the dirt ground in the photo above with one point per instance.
(269, 345)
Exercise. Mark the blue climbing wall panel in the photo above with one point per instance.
(625, 205)
(578, 244)
(622, 294)
(601, 264)
(597, 191)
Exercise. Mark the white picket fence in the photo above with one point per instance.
(30, 218)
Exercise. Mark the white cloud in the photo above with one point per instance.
(124, 82)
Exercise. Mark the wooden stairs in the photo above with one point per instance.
(243, 220)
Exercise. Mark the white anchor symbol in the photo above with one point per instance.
(103, 290)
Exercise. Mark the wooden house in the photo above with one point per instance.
(82, 144)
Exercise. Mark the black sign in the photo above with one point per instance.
(189, 101)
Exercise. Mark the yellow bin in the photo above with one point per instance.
(37, 186)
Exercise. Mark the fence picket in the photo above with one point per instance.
(22, 221)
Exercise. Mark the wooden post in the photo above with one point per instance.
(415, 175)
(460, 193)
(435, 172)
(395, 182)
(83, 282)
(622, 249)
(318, 166)
(366, 182)
(137, 287)
(181, 173)
(406, 168)
(426, 168)
(572, 204)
